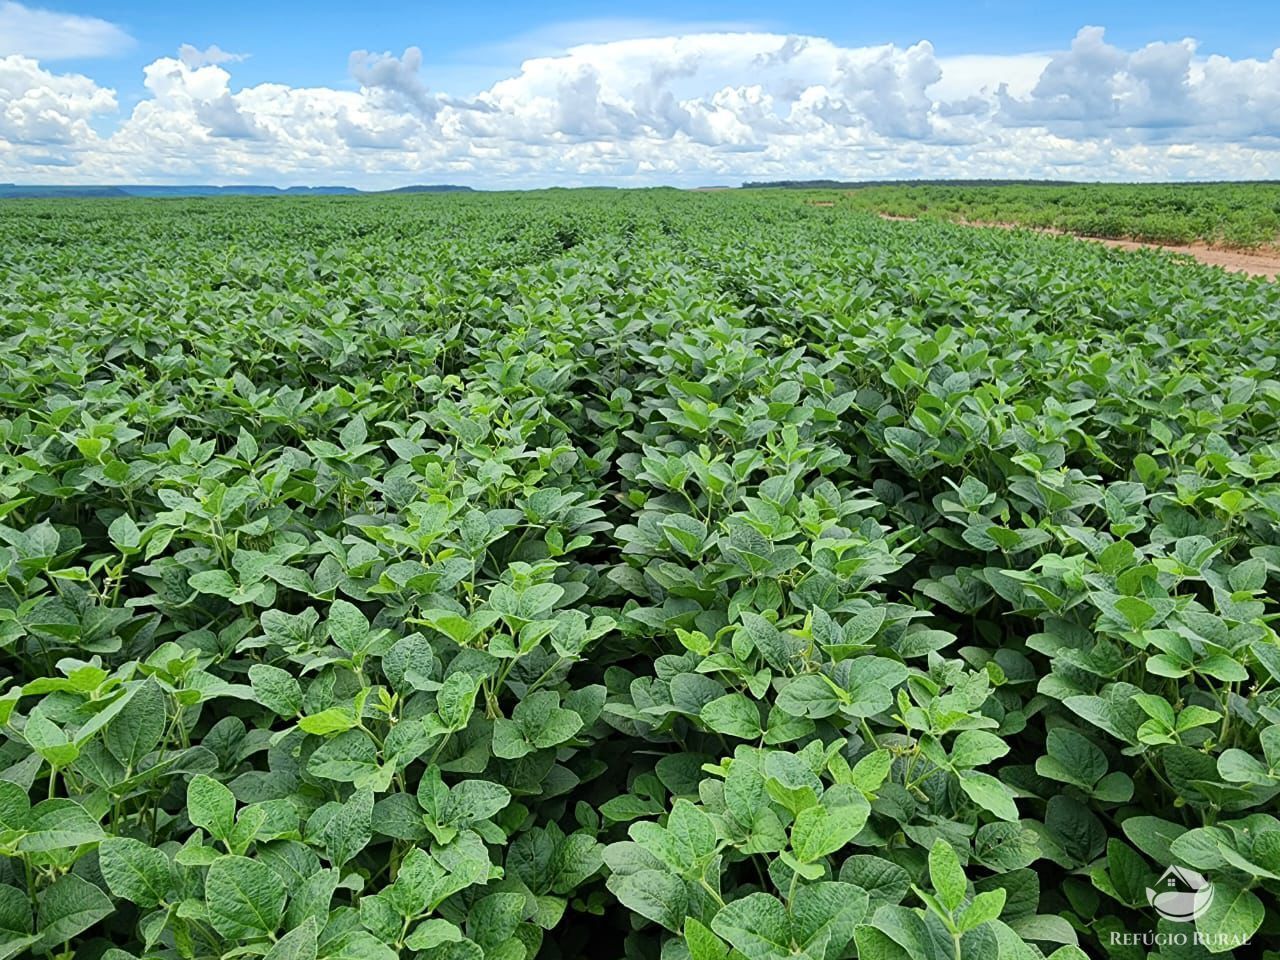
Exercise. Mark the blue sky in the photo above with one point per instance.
(306, 45)
(383, 93)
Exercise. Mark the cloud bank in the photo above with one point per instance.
(687, 109)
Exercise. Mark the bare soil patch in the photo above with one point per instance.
(1264, 262)
(1257, 263)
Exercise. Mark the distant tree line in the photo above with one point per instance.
(861, 184)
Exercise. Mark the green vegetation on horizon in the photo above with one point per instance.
(658, 575)
(1242, 215)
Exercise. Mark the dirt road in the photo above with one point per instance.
(1257, 263)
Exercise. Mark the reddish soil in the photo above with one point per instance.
(1264, 262)
(1257, 263)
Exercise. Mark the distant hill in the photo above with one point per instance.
(857, 184)
(12, 190)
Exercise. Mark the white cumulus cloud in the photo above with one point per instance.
(1161, 92)
(38, 107)
(195, 58)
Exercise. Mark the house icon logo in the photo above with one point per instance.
(1181, 895)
